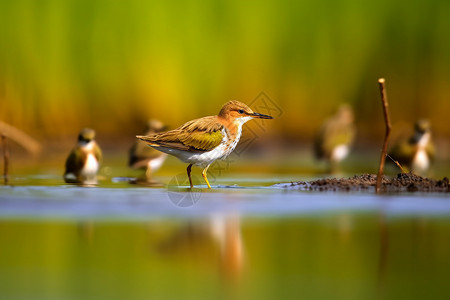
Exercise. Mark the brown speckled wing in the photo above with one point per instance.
(202, 134)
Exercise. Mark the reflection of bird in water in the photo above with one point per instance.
(227, 232)
(84, 160)
(143, 157)
(206, 241)
(417, 152)
(335, 137)
(86, 231)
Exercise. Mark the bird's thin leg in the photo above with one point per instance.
(333, 167)
(204, 175)
(148, 174)
(189, 175)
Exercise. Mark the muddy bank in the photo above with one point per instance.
(403, 182)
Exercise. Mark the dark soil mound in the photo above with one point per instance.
(404, 182)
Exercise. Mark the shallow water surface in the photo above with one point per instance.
(122, 241)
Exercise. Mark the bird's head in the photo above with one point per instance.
(86, 135)
(238, 111)
(422, 126)
(345, 114)
(154, 126)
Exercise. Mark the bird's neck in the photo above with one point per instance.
(87, 146)
(422, 140)
(234, 126)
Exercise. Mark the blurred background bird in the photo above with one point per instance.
(141, 156)
(335, 138)
(83, 162)
(416, 152)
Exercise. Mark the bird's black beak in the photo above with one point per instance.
(261, 116)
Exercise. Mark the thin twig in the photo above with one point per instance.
(396, 162)
(5, 159)
(387, 122)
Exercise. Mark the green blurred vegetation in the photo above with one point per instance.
(110, 65)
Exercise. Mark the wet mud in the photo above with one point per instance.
(403, 182)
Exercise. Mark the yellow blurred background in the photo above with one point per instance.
(111, 65)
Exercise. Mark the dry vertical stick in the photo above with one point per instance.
(387, 122)
(5, 159)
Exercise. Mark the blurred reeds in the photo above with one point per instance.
(111, 65)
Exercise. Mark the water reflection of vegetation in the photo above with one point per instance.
(340, 256)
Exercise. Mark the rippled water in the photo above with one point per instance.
(249, 240)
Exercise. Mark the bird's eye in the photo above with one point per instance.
(240, 111)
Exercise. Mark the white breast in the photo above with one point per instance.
(155, 164)
(339, 152)
(421, 162)
(221, 151)
(90, 167)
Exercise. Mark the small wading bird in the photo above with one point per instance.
(202, 141)
(143, 157)
(83, 162)
(418, 151)
(335, 137)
